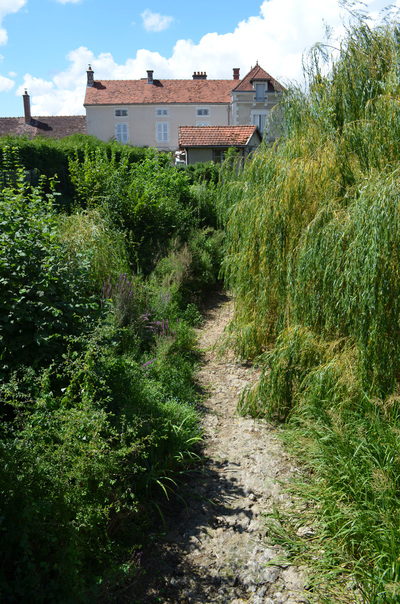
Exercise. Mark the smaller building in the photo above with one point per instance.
(209, 143)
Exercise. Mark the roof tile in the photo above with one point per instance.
(131, 92)
(51, 126)
(216, 136)
(257, 73)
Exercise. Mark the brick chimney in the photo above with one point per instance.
(27, 107)
(90, 76)
(236, 72)
(150, 76)
(199, 75)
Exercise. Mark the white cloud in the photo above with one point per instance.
(276, 38)
(68, 1)
(7, 7)
(6, 84)
(155, 22)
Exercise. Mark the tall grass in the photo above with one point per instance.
(312, 256)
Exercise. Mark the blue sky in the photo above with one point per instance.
(46, 45)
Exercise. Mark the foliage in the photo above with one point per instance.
(148, 201)
(46, 156)
(203, 172)
(66, 475)
(44, 297)
(311, 255)
(90, 235)
(97, 399)
(191, 270)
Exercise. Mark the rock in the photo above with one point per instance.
(218, 543)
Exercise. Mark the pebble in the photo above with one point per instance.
(228, 560)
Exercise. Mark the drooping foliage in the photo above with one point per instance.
(312, 255)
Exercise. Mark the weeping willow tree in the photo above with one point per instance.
(307, 216)
(312, 257)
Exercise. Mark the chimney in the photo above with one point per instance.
(236, 72)
(199, 75)
(90, 76)
(150, 76)
(27, 107)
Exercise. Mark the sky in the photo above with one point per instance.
(47, 45)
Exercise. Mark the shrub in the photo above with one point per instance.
(311, 256)
(43, 297)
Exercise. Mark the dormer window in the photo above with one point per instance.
(121, 112)
(260, 92)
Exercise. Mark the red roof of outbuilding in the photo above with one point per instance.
(51, 126)
(216, 136)
(131, 92)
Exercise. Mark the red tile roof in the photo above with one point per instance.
(216, 136)
(54, 127)
(257, 73)
(130, 92)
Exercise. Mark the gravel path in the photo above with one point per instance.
(214, 550)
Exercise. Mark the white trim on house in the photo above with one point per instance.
(259, 118)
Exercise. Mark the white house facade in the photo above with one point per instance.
(149, 112)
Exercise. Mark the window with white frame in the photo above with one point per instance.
(259, 119)
(122, 133)
(162, 132)
(202, 123)
(121, 112)
(162, 111)
(202, 111)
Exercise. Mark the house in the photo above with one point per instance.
(149, 111)
(254, 97)
(209, 143)
(53, 127)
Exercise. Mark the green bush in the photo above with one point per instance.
(97, 397)
(43, 296)
(66, 476)
(45, 156)
(88, 234)
(148, 201)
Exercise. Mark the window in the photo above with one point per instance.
(162, 132)
(260, 92)
(121, 112)
(122, 133)
(259, 119)
(162, 111)
(218, 155)
(202, 111)
(202, 123)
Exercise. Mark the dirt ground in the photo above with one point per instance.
(215, 548)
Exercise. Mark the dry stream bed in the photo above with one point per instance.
(215, 548)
